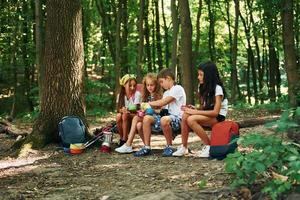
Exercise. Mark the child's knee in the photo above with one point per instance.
(165, 121)
(191, 121)
(147, 119)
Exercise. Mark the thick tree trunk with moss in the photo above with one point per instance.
(63, 80)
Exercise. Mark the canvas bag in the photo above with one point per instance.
(71, 131)
(223, 139)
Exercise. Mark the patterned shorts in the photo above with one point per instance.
(175, 123)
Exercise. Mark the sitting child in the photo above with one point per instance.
(173, 98)
(151, 92)
(128, 99)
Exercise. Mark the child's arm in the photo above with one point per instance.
(208, 113)
(162, 102)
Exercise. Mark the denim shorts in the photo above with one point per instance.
(220, 118)
(175, 123)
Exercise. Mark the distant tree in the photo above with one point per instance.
(63, 81)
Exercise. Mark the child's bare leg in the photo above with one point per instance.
(139, 127)
(125, 119)
(166, 128)
(119, 124)
(133, 129)
(147, 122)
(184, 130)
(195, 122)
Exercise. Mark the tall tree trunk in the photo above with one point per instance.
(147, 38)
(197, 42)
(186, 49)
(175, 23)
(250, 60)
(272, 68)
(107, 25)
(235, 90)
(153, 37)
(257, 62)
(124, 38)
(39, 43)
(166, 35)
(289, 53)
(158, 37)
(27, 65)
(211, 34)
(118, 45)
(63, 81)
(141, 40)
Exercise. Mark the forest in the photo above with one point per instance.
(60, 58)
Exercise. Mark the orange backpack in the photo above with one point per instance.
(223, 139)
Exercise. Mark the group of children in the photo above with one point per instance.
(167, 112)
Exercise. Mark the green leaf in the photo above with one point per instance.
(260, 167)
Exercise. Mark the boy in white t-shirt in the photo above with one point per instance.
(173, 99)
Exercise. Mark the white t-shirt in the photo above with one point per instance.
(224, 104)
(178, 93)
(134, 99)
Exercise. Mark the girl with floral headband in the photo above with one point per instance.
(127, 101)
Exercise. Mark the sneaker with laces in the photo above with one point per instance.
(204, 153)
(168, 151)
(124, 149)
(143, 152)
(181, 151)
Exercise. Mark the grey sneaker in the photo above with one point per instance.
(124, 149)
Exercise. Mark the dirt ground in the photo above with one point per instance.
(52, 174)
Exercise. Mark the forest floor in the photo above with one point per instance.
(52, 174)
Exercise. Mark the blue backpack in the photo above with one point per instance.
(71, 130)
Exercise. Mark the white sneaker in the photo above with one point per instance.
(181, 151)
(204, 153)
(124, 149)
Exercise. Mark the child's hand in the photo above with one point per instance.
(185, 107)
(190, 111)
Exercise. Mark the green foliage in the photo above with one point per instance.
(272, 163)
(99, 96)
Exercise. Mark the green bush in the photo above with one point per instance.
(272, 163)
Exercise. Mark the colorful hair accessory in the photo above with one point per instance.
(125, 78)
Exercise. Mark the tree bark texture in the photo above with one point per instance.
(63, 82)
(235, 90)
(141, 41)
(175, 23)
(186, 49)
(290, 60)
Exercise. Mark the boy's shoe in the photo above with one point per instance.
(204, 153)
(124, 149)
(168, 151)
(143, 152)
(121, 142)
(181, 151)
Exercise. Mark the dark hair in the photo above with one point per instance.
(166, 72)
(211, 79)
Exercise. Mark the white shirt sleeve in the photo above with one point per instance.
(219, 91)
